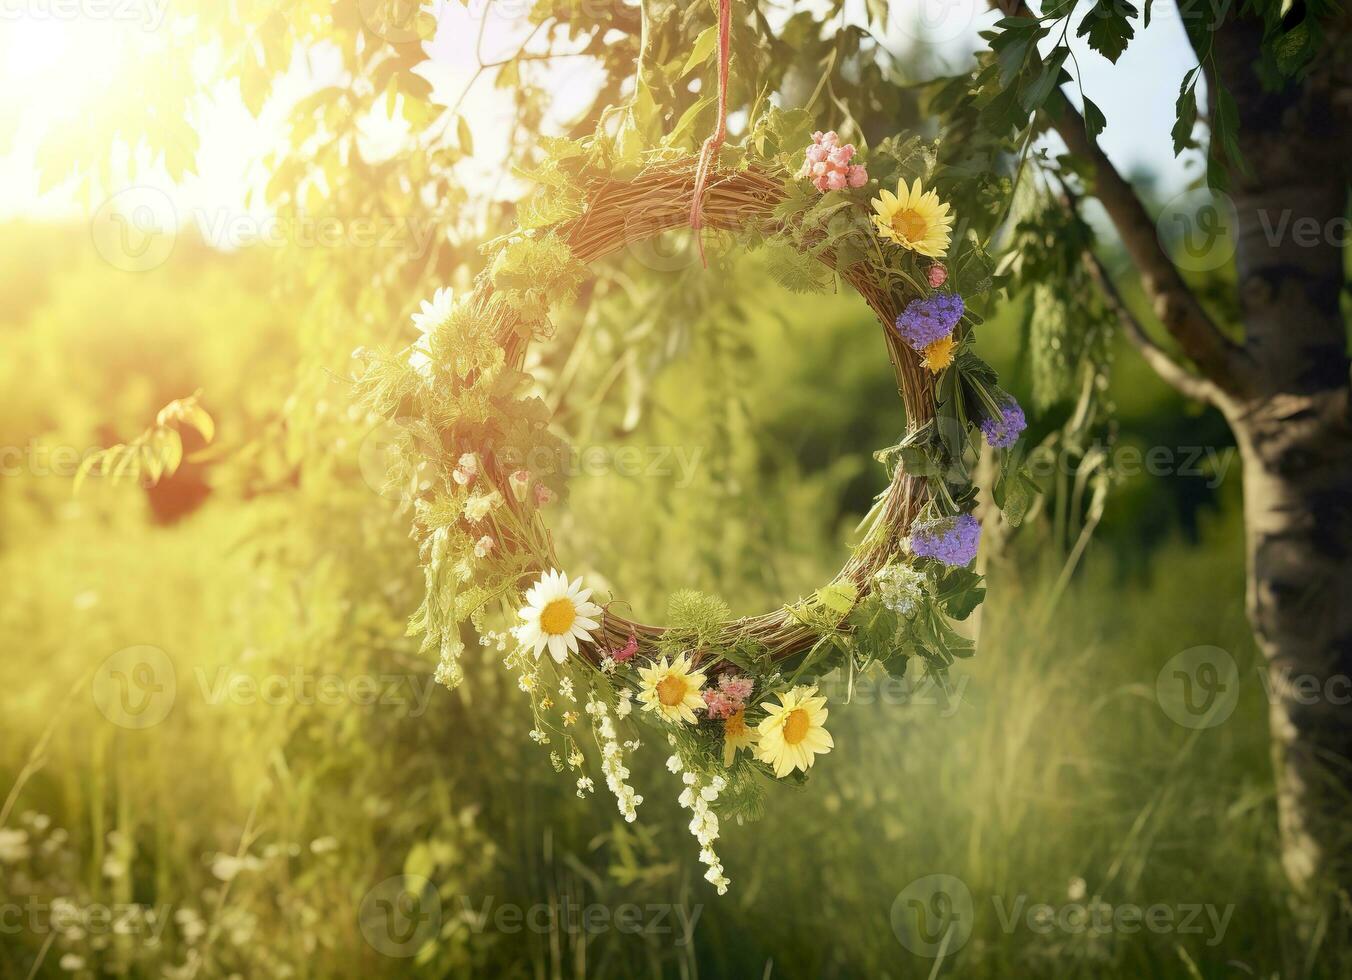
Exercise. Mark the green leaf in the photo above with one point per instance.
(1108, 25)
(1036, 92)
(701, 50)
(1186, 111)
(1011, 58)
(959, 592)
(839, 597)
(1094, 119)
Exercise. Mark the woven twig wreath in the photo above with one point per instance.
(618, 214)
(705, 683)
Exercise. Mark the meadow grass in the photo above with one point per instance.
(1048, 776)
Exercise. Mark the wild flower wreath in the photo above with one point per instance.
(735, 698)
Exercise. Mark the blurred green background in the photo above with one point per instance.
(253, 831)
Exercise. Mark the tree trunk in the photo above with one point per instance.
(1297, 453)
(1291, 420)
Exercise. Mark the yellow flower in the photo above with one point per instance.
(737, 735)
(938, 355)
(672, 690)
(791, 735)
(914, 219)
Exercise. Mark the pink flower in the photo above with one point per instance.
(827, 164)
(483, 546)
(520, 483)
(718, 703)
(937, 275)
(466, 470)
(627, 651)
(736, 687)
(543, 494)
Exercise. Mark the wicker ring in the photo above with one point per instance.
(619, 214)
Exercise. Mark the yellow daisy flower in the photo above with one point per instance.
(914, 218)
(672, 690)
(938, 355)
(737, 735)
(791, 736)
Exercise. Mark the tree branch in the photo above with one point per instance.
(1178, 377)
(1221, 361)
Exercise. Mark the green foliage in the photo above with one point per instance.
(695, 618)
(157, 452)
(1108, 27)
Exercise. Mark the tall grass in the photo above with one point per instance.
(1051, 777)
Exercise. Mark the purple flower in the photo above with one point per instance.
(1004, 431)
(929, 319)
(952, 540)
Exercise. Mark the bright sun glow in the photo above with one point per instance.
(59, 65)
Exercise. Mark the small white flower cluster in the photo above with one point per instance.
(902, 589)
(704, 822)
(612, 759)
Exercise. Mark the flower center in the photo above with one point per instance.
(557, 618)
(909, 225)
(796, 726)
(734, 726)
(671, 690)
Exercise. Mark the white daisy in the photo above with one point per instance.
(430, 316)
(557, 615)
